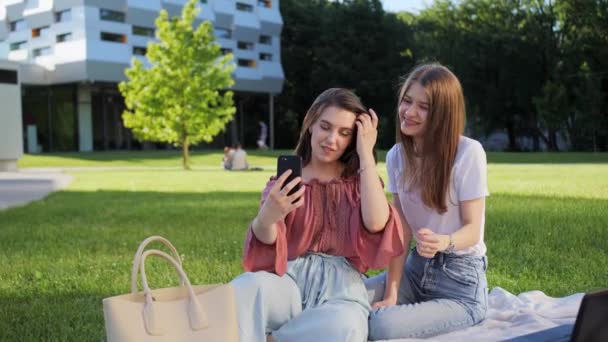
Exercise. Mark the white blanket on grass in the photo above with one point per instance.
(510, 316)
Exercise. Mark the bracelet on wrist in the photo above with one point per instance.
(450, 248)
(364, 168)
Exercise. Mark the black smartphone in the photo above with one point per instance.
(288, 162)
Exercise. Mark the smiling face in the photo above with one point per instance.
(413, 111)
(331, 134)
(328, 130)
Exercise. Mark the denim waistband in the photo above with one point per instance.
(441, 257)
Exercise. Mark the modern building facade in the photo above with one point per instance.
(73, 53)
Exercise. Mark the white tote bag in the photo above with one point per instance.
(184, 313)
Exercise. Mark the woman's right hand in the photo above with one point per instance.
(278, 204)
(388, 300)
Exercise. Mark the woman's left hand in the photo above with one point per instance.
(367, 133)
(428, 243)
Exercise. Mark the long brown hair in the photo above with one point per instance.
(431, 172)
(339, 98)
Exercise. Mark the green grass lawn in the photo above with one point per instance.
(546, 229)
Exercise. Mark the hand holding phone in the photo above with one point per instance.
(293, 163)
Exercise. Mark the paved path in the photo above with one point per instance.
(22, 187)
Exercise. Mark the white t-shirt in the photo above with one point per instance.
(239, 160)
(468, 181)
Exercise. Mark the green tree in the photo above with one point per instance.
(352, 44)
(181, 98)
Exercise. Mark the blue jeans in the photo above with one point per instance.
(321, 298)
(436, 296)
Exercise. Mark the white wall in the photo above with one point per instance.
(11, 131)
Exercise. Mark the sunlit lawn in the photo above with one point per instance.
(546, 229)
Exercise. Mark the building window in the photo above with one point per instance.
(113, 37)
(244, 45)
(139, 50)
(266, 40)
(225, 51)
(143, 31)
(109, 15)
(265, 3)
(17, 45)
(44, 51)
(244, 7)
(266, 56)
(40, 32)
(221, 32)
(64, 37)
(18, 25)
(248, 63)
(8, 76)
(63, 16)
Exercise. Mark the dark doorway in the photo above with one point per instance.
(52, 111)
(109, 133)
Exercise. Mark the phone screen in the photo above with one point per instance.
(293, 163)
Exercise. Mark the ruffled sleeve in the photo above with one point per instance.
(259, 256)
(377, 249)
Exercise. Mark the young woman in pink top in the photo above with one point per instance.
(305, 253)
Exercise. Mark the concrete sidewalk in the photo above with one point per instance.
(22, 187)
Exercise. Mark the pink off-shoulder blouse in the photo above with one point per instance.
(329, 222)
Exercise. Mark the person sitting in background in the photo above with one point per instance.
(228, 153)
(239, 158)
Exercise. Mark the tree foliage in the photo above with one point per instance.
(181, 97)
(352, 44)
(533, 69)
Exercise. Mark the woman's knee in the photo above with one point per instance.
(256, 280)
(349, 325)
(380, 326)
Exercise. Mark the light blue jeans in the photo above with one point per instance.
(321, 298)
(436, 296)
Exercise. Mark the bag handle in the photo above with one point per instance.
(153, 325)
(140, 250)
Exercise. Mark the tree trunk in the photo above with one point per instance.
(535, 141)
(186, 154)
(513, 146)
(545, 139)
(553, 141)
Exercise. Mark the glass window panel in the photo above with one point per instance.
(17, 45)
(267, 40)
(244, 7)
(244, 45)
(143, 31)
(222, 33)
(18, 25)
(43, 51)
(113, 37)
(63, 123)
(246, 63)
(109, 15)
(64, 37)
(139, 50)
(63, 16)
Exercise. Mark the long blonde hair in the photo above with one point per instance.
(431, 172)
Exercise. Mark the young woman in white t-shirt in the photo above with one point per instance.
(438, 181)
